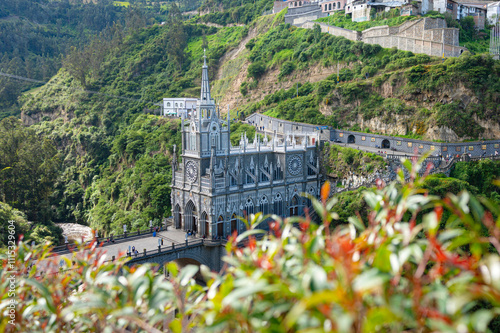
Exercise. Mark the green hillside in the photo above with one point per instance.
(115, 156)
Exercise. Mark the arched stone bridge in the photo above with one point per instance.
(201, 251)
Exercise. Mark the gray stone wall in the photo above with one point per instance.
(269, 125)
(335, 31)
(299, 15)
(419, 36)
(476, 148)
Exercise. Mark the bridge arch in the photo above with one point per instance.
(186, 257)
(351, 139)
(386, 143)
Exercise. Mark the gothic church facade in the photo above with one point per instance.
(216, 182)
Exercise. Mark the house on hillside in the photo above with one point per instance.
(410, 9)
(493, 12)
(362, 10)
(279, 6)
(463, 8)
(332, 6)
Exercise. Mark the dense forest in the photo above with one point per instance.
(35, 36)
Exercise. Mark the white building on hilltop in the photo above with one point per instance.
(215, 183)
(176, 107)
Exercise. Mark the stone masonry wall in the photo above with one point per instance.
(424, 35)
(336, 31)
(420, 36)
(299, 15)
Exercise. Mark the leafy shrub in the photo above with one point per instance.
(371, 71)
(286, 69)
(389, 271)
(256, 70)
(243, 88)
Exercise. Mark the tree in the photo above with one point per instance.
(468, 28)
(31, 165)
(78, 64)
(176, 36)
(317, 33)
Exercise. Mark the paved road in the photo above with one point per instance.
(148, 242)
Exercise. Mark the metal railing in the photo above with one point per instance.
(70, 247)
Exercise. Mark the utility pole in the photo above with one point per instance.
(297, 89)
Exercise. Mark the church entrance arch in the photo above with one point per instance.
(190, 216)
(351, 139)
(177, 217)
(234, 224)
(204, 224)
(294, 206)
(386, 143)
(220, 226)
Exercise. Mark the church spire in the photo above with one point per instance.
(205, 84)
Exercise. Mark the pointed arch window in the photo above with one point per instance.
(232, 181)
(249, 208)
(264, 205)
(263, 176)
(234, 224)
(278, 205)
(251, 169)
(220, 226)
(310, 171)
(278, 172)
(294, 206)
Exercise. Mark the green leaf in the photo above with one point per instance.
(354, 220)
(372, 278)
(378, 318)
(187, 274)
(249, 233)
(47, 296)
(173, 268)
(176, 326)
(382, 259)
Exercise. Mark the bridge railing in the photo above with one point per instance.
(70, 247)
(173, 247)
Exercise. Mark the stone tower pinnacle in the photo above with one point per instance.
(205, 84)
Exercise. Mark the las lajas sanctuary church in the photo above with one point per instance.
(215, 182)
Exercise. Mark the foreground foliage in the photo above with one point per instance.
(386, 274)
